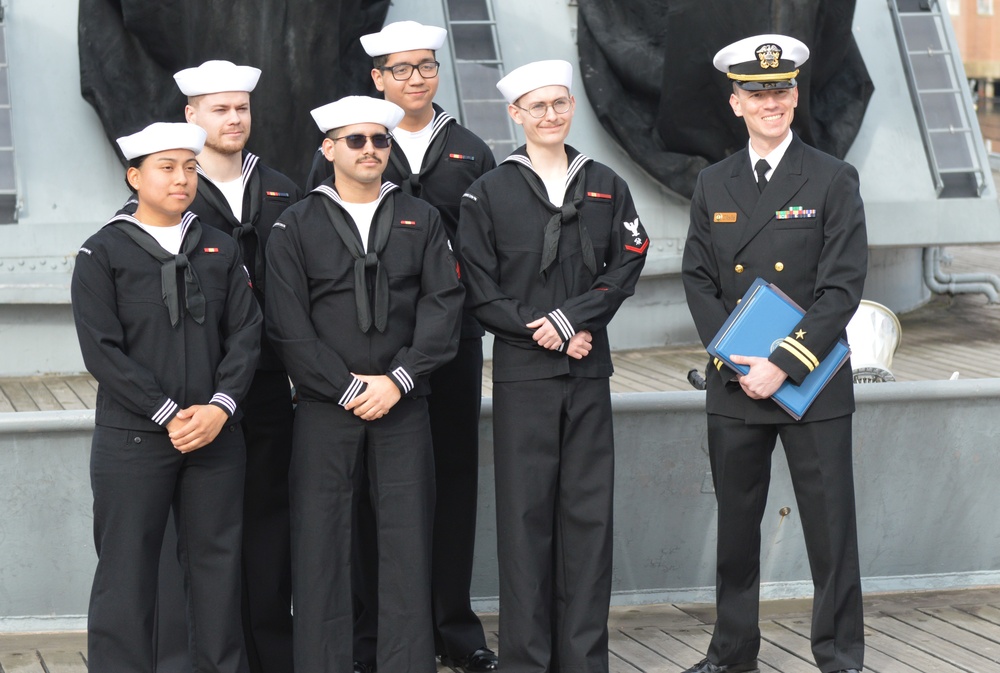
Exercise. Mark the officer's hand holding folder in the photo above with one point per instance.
(761, 320)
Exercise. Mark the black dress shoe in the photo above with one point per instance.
(482, 660)
(360, 667)
(706, 666)
(848, 670)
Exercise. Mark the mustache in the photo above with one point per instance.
(368, 157)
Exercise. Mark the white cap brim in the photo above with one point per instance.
(357, 110)
(534, 76)
(403, 36)
(162, 136)
(215, 77)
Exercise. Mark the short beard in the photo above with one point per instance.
(227, 150)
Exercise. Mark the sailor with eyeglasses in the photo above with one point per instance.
(552, 246)
(363, 303)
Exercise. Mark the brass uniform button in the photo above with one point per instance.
(739, 268)
(778, 266)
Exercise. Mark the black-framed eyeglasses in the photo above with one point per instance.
(404, 71)
(357, 141)
(537, 110)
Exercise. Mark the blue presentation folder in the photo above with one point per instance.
(762, 319)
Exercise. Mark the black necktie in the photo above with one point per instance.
(761, 168)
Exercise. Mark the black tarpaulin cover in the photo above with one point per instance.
(308, 51)
(647, 69)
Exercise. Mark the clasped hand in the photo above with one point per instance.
(196, 426)
(380, 395)
(548, 337)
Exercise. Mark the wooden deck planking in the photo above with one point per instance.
(64, 395)
(917, 632)
(18, 396)
(6, 405)
(41, 395)
(988, 613)
(931, 644)
(671, 649)
(63, 661)
(22, 662)
(969, 624)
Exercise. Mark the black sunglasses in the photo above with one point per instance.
(357, 141)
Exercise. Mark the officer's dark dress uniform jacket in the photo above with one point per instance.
(147, 369)
(267, 427)
(314, 322)
(816, 255)
(805, 232)
(454, 159)
(553, 437)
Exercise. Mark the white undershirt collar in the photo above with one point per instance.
(773, 158)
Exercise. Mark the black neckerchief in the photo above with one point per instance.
(246, 226)
(194, 299)
(378, 237)
(410, 182)
(564, 215)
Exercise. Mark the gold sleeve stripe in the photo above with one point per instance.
(802, 358)
(802, 349)
(718, 363)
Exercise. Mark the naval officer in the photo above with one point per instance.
(788, 213)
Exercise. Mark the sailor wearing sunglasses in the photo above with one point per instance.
(363, 302)
(434, 158)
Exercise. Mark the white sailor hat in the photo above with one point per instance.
(534, 76)
(162, 136)
(216, 76)
(763, 61)
(403, 36)
(357, 110)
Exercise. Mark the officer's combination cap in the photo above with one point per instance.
(769, 61)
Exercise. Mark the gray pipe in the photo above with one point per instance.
(958, 283)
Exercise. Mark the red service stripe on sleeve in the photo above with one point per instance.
(641, 249)
(598, 195)
(285, 194)
(458, 270)
(211, 250)
(463, 157)
(409, 223)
